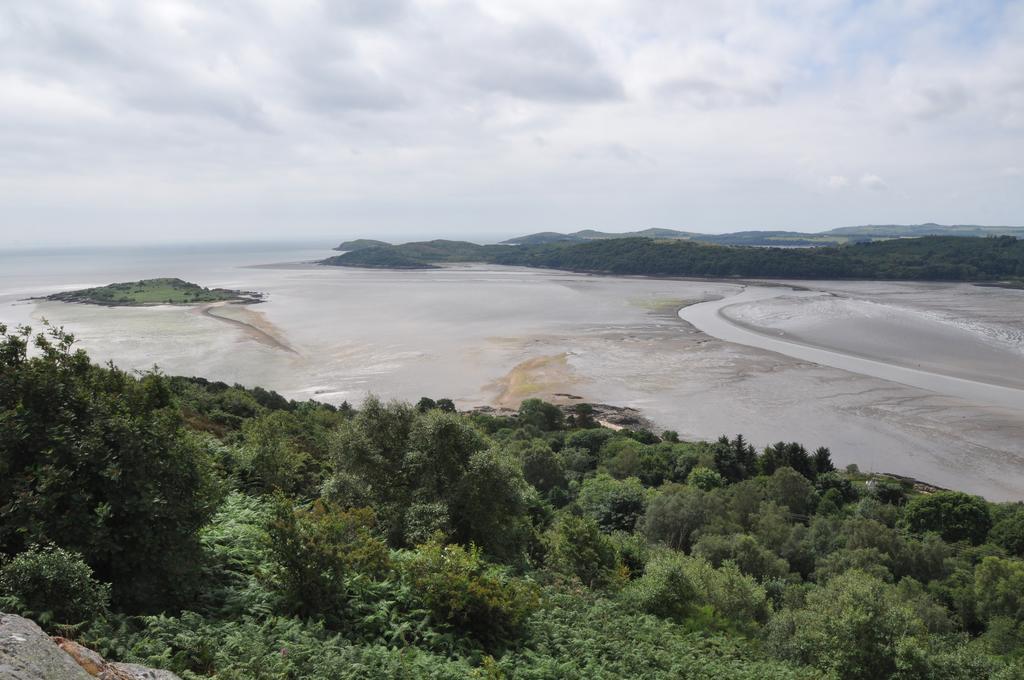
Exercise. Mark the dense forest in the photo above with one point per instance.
(224, 532)
(937, 258)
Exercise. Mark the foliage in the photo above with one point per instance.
(677, 514)
(617, 505)
(577, 547)
(854, 627)
(95, 461)
(999, 588)
(322, 556)
(1008, 532)
(477, 599)
(954, 515)
(288, 539)
(54, 585)
(705, 478)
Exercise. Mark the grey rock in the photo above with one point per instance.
(27, 653)
(142, 673)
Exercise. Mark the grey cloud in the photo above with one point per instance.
(542, 62)
(341, 89)
(365, 12)
(707, 93)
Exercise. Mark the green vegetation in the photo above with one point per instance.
(154, 292)
(418, 255)
(361, 244)
(940, 258)
(841, 235)
(229, 533)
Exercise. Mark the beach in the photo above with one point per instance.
(489, 335)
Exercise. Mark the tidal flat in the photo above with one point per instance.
(494, 335)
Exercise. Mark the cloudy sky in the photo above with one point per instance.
(223, 119)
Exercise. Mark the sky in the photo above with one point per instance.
(163, 120)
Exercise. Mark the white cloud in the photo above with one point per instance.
(873, 182)
(234, 119)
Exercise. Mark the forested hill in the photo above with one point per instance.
(928, 258)
(228, 533)
(941, 258)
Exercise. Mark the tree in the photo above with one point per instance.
(490, 503)
(542, 415)
(855, 627)
(999, 589)
(321, 554)
(953, 515)
(577, 547)
(96, 461)
(675, 515)
(542, 468)
(617, 505)
(477, 599)
(705, 478)
(789, 488)
(54, 585)
(749, 556)
(1008, 532)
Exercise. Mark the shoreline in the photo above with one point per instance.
(259, 335)
(712, 321)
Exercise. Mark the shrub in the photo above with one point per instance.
(854, 627)
(705, 478)
(676, 514)
(54, 585)
(577, 547)
(321, 555)
(617, 505)
(664, 590)
(745, 551)
(999, 589)
(953, 515)
(1008, 533)
(473, 597)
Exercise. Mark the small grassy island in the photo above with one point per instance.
(154, 292)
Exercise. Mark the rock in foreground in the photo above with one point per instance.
(28, 653)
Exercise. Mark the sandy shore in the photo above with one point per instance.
(254, 325)
(713, 318)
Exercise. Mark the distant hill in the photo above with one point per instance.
(927, 229)
(361, 244)
(417, 255)
(932, 258)
(870, 232)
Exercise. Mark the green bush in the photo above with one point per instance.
(464, 592)
(1008, 533)
(96, 460)
(323, 557)
(678, 513)
(705, 478)
(745, 551)
(616, 505)
(54, 585)
(664, 589)
(953, 515)
(576, 546)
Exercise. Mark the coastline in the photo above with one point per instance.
(264, 337)
(714, 322)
